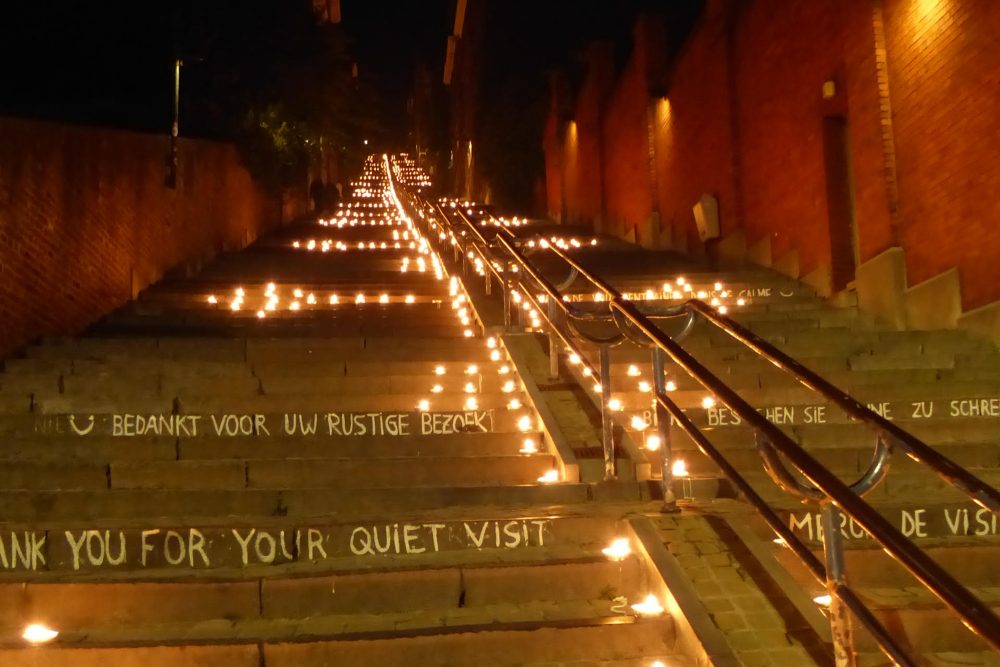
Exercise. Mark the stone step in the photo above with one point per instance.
(622, 645)
(834, 435)
(263, 425)
(799, 409)
(252, 403)
(267, 381)
(896, 490)
(209, 505)
(940, 393)
(26, 375)
(271, 328)
(258, 548)
(935, 659)
(887, 356)
(70, 606)
(846, 341)
(751, 376)
(451, 593)
(405, 316)
(104, 450)
(921, 622)
(481, 470)
(300, 349)
(851, 458)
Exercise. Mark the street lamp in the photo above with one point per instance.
(175, 128)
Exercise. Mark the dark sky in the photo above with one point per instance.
(109, 62)
(389, 38)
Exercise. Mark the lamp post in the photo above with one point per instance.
(175, 127)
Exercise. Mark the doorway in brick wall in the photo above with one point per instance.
(840, 200)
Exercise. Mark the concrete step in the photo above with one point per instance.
(536, 588)
(293, 349)
(260, 548)
(628, 645)
(264, 425)
(210, 505)
(483, 470)
(851, 458)
(251, 401)
(68, 448)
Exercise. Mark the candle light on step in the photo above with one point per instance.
(618, 550)
(36, 633)
(649, 607)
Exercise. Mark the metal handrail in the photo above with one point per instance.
(973, 611)
(836, 495)
(978, 491)
(835, 585)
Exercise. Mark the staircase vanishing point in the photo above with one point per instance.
(308, 454)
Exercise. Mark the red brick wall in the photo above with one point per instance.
(944, 75)
(584, 187)
(628, 201)
(745, 119)
(694, 135)
(786, 52)
(85, 220)
(552, 143)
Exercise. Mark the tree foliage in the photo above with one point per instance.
(274, 80)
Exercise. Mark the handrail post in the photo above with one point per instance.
(662, 422)
(489, 279)
(607, 424)
(507, 287)
(519, 306)
(840, 617)
(506, 299)
(553, 313)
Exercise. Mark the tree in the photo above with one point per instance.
(274, 80)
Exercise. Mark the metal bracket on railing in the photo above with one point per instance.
(805, 491)
(614, 339)
(570, 279)
(641, 339)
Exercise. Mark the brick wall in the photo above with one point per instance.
(744, 119)
(584, 186)
(694, 135)
(552, 145)
(944, 75)
(626, 155)
(85, 220)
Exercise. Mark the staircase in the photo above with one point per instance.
(324, 450)
(309, 453)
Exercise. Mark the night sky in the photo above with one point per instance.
(109, 62)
